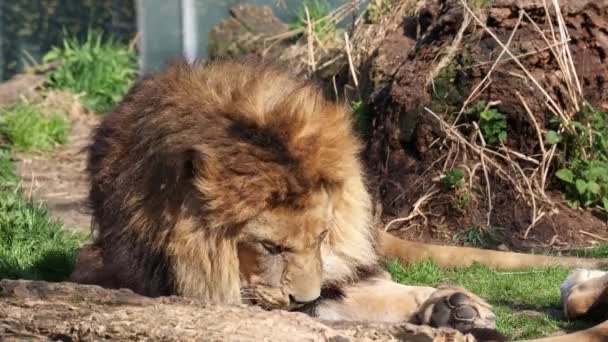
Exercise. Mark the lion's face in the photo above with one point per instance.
(280, 255)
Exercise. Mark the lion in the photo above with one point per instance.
(237, 182)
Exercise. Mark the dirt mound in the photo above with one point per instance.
(428, 57)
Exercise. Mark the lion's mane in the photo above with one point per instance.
(195, 151)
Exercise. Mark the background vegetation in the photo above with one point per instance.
(100, 68)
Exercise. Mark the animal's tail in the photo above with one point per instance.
(452, 256)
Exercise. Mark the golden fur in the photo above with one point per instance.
(235, 182)
(196, 155)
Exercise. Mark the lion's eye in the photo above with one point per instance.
(272, 247)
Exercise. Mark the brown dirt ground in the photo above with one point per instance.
(57, 178)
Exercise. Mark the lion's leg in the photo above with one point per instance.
(382, 300)
(583, 291)
(598, 333)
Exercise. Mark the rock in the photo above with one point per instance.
(244, 31)
(252, 30)
(39, 311)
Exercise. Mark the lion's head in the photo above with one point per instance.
(279, 254)
(229, 182)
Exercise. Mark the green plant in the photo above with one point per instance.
(493, 126)
(447, 95)
(461, 200)
(32, 245)
(585, 183)
(28, 127)
(583, 171)
(492, 123)
(101, 69)
(376, 9)
(318, 12)
(362, 117)
(453, 179)
(478, 236)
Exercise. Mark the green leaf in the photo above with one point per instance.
(502, 136)
(598, 171)
(489, 114)
(552, 138)
(565, 175)
(581, 186)
(593, 187)
(555, 120)
(605, 202)
(573, 204)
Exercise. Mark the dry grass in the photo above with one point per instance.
(527, 175)
(312, 51)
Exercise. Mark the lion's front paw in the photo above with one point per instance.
(584, 293)
(457, 308)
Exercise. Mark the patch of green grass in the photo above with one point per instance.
(595, 252)
(101, 69)
(32, 246)
(527, 303)
(28, 127)
(317, 10)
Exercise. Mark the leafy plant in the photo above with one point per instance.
(493, 126)
(462, 200)
(102, 69)
(583, 171)
(30, 128)
(317, 10)
(492, 123)
(453, 179)
(585, 183)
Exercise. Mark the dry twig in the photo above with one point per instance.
(416, 211)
